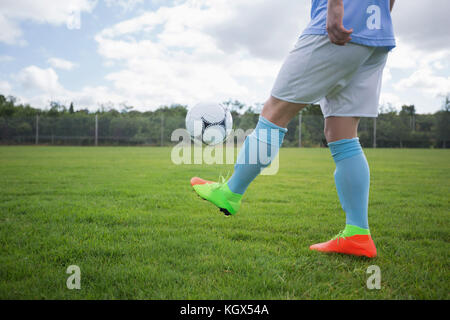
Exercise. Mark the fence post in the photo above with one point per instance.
(162, 129)
(37, 129)
(300, 118)
(96, 130)
(374, 133)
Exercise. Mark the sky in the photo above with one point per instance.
(148, 53)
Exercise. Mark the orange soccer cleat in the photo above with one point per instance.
(357, 245)
(196, 181)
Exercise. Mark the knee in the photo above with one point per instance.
(328, 132)
(338, 128)
(280, 112)
(270, 110)
(333, 133)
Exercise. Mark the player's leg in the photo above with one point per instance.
(352, 176)
(263, 144)
(338, 128)
(280, 112)
(342, 111)
(313, 69)
(258, 151)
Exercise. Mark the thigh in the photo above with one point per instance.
(280, 112)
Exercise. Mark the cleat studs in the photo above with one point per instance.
(225, 211)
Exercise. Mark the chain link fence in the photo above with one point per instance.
(156, 130)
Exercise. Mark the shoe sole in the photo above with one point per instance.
(225, 211)
(345, 253)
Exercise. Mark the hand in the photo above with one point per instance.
(335, 26)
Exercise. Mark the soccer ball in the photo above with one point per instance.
(210, 123)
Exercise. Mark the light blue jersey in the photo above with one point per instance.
(370, 19)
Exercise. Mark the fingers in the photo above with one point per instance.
(339, 35)
(347, 31)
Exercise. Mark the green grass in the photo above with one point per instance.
(129, 219)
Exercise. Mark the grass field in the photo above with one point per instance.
(129, 219)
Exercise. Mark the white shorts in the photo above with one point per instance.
(345, 79)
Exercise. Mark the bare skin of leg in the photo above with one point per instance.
(280, 112)
(338, 128)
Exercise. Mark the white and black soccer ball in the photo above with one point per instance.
(209, 122)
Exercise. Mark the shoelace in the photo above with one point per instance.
(221, 181)
(339, 236)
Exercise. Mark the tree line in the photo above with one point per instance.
(63, 125)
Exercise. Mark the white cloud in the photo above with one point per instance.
(426, 82)
(34, 78)
(204, 49)
(43, 11)
(407, 56)
(219, 49)
(10, 32)
(422, 24)
(188, 53)
(417, 76)
(165, 57)
(92, 97)
(5, 88)
(267, 29)
(126, 5)
(390, 99)
(61, 64)
(88, 97)
(41, 86)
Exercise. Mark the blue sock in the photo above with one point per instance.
(258, 151)
(352, 177)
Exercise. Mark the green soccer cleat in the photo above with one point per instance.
(218, 194)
